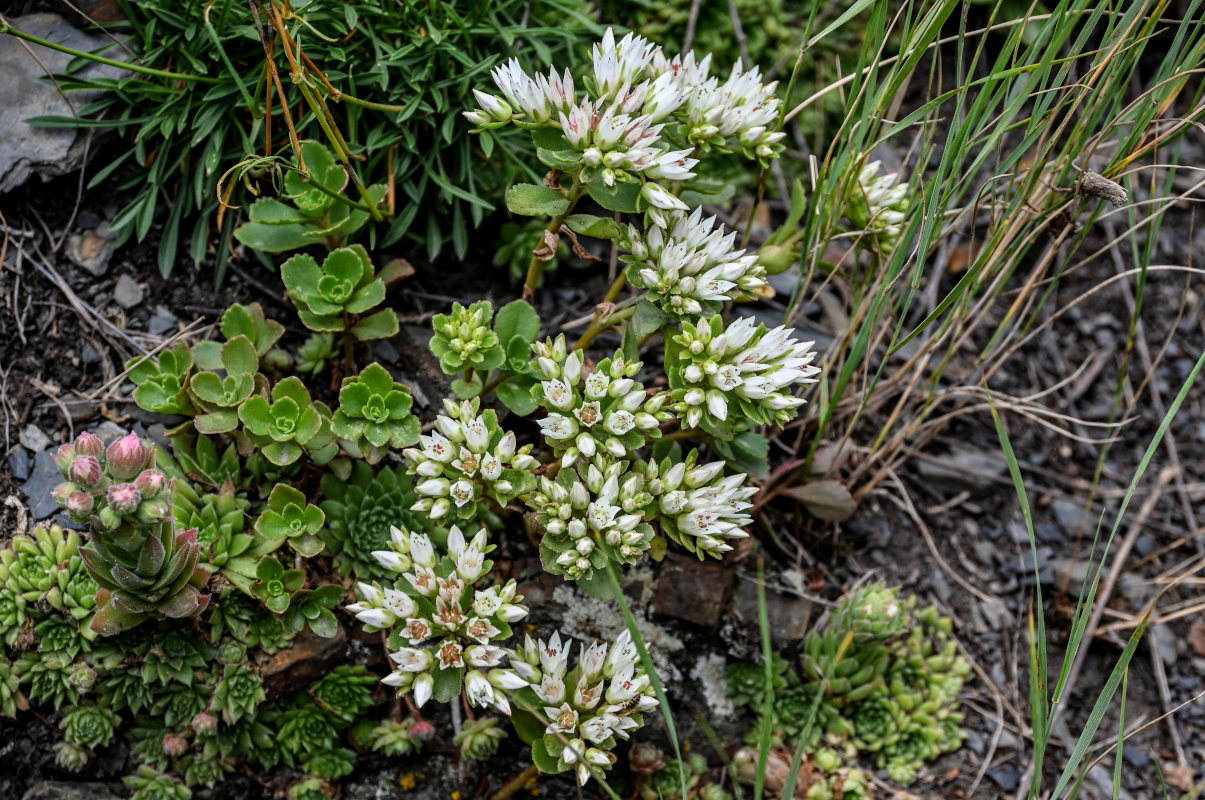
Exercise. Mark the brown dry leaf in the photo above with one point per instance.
(1180, 776)
(1196, 637)
(826, 500)
(547, 250)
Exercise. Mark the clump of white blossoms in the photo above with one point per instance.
(747, 368)
(442, 629)
(605, 411)
(467, 458)
(878, 204)
(641, 114)
(691, 268)
(698, 506)
(586, 710)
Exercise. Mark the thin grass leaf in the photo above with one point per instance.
(767, 709)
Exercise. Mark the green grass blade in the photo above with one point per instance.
(767, 708)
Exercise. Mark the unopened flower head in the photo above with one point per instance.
(746, 371)
(605, 701)
(878, 204)
(604, 412)
(463, 339)
(467, 458)
(690, 267)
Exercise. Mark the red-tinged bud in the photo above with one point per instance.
(152, 511)
(151, 483)
(204, 724)
(64, 456)
(127, 457)
(422, 730)
(89, 444)
(86, 471)
(175, 745)
(62, 493)
(79, 504)
(123, 498)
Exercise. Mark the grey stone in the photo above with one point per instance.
(20, 462)
(161, 322)
(109, 431)
(1146, 544)
(92, 250)
(24, 149)
(1163, 642)
(127, 293)
(1068, 513)
(41, 483)
(964, 467)
(1007, 778)
(385, 351)
(31, 437)
(789, 614)
(62, 790)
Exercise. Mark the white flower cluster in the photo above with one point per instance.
(691, 266)
(747, 364)
(603, 412)
(634, 89)
(589, 708)
(446, 623)
(463, 459)
(879, 204)
(590, 514)
(697, 506)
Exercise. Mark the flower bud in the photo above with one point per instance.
(79, 504)
(89, 444)
(86, 471)
(127, 457)
(204, 724)
(63, 492)
(151, 483)
(152, 511)
(175, 745)
(123, 498)
(422, 730)
(64, 456)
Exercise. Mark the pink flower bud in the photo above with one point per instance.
(422, 730)
(124, 497)
(63, 491)
(86, 471)
(63, 457)
(127, 457)
(175, 745)
(79, 504)
(89, 444)
(151, 482)
(204, 723)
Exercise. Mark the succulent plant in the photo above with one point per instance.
(345, 285)
(71, 757)
(173, 655)
(479, 738)
(89, 725)
(389, 737)
(59, 634)
(331, 764)
(125, 689)
(249, 320)
(463, 339)
(267, 632)
(306, 727)
(876, 723)
(177, 704)
(48, 676)
(275, 586)
(161, 383)
(30, 567)
(313, 608)
(238, 693)
(12, 614)
(11, 699)
(359, 512)
(218, 518)
(747, 681)
(79, 595)
(292, 424)
(149, 784)
(374, 414)
(874, 613)
(204, 771)
(466, 461)
(289, 517)
(345, 692)
(218, 398)
(666, 783)
(315, 353)
(311, 789)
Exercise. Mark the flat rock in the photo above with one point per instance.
(692, 590)
(24, 149)
(964, 467)
(305, 661)
(20, 462)
(32, 438)
(127, 293)
(41, 483)
(92, 250)
(788, 613)
(161, 322)
(62, 790)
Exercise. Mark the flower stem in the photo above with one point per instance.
(5, 27)
(536, 266)
(597, 327)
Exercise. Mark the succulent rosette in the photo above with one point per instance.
(374, 414)
(443, 630)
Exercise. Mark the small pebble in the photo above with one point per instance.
(19, 461)
(32, 438)
(127, 293)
